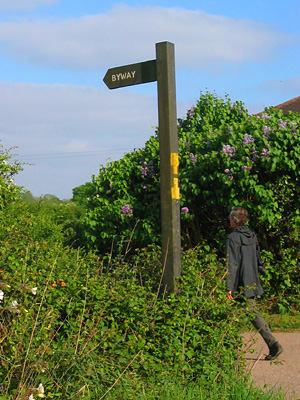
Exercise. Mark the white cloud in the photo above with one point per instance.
(45, 118)
(68, 131)
(125, 35)
(24, 5)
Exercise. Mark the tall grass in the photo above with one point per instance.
(101, 328)
(238, 389)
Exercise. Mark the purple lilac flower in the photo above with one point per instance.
(293, 125)
(253, 152)
(151, 168)
(248, 139)
(227, 149)
(147, 169)
(126, 210)
(229, 173)
(193, 158)
(281, 124)
(265, 153)
(144, 170)
(265, 116)
(266, 131)
(246, 167)
(191, 113)
(145, 187)
(185, 210)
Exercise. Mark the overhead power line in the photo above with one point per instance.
(47, 156)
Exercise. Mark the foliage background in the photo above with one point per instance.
(227, 158)
(92, 319)
(82, 309)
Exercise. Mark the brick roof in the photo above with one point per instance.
(290, 105)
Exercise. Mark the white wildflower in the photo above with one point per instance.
(14, 307)
(31, 397)
(41, 390)
(1, 295)
(34, 290)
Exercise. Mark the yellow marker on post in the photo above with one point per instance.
(175, 188)
(175, 162)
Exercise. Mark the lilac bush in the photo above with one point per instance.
(227, 158)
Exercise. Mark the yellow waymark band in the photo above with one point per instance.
(175, 162)
(175, 188)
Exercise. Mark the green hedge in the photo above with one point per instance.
(75, 322)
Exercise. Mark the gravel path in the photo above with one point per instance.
(283, 372)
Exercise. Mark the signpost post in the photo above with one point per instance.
(169, 163)
(161, 70)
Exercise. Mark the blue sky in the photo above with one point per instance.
(54, 54)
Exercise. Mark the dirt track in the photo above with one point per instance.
(283, 372)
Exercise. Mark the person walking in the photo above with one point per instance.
(243, 265)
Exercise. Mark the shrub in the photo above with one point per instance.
(227, 158)
(78, 324)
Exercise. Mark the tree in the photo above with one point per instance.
(28, 197)
(9, 191)
(82, 194)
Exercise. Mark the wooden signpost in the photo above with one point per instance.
(133, 74)
(162, 70)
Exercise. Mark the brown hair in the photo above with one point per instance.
(239, 215)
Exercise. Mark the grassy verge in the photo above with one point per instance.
(288, 322)
(237, 389)
(285, 322)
